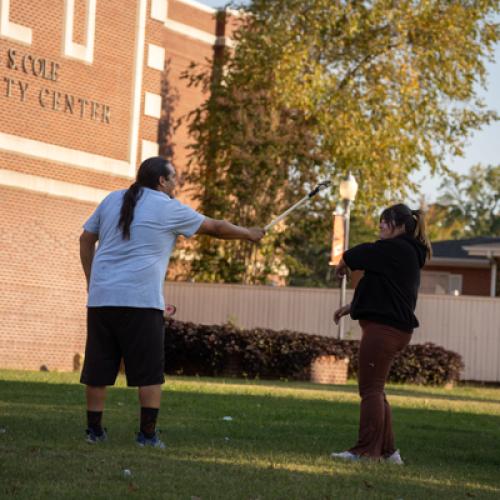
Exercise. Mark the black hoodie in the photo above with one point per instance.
(387, 293)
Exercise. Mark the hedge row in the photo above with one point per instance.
(214, 350)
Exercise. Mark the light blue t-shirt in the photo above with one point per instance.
(131, 273)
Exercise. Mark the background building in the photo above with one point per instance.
(463, 267)
(88, 88)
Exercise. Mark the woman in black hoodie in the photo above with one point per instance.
(384, 303)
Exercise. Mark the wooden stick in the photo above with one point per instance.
(315, 191)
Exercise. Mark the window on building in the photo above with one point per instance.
(441, 283)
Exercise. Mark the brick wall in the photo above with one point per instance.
(178, 99)
(107, 81)
(42, 298)
(42, 305)
(329, 370)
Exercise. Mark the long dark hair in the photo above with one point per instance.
(412, 220)
(148, 175)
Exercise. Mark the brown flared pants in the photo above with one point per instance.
(379, 345)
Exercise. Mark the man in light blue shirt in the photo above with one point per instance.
(131, 272)
(137, 230)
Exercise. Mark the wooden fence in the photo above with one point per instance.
(464, 324)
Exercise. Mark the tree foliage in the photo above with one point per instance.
(469, 205)
(317, 88)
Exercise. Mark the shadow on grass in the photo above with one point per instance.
(422, 394)
(351, 388)
(174, 474)
(274, 447)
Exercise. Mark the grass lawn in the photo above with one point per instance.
(276, 446)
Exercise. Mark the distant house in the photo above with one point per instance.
(463, 267)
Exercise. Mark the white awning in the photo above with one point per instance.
(488, 250)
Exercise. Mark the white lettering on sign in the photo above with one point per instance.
(10, 30)
(75, 50)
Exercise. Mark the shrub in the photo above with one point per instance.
(426, 364)
(212, 350)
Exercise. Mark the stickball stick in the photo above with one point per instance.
(307, 197)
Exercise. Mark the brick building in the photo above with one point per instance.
(88, 89)
(463, 267)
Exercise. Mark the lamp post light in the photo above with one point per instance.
(348, 190)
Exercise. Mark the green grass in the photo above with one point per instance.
(276, 447)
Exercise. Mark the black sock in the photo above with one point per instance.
(148, 421)
(94, 419)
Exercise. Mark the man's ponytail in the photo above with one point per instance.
(148, 176)
(130, 199)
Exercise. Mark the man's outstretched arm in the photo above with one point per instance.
(227, 231)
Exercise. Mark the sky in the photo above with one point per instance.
(483, 147)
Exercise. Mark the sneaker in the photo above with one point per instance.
(154, 442)
(395, 458)
(346, 455)
(93, 438)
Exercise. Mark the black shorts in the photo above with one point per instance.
(134, 334)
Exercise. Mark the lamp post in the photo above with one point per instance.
(348, 190)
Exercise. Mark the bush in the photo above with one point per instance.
(426, 364)
(212, 350)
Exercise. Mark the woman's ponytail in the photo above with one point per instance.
(420, 232)
(130, 199)
(413, 221)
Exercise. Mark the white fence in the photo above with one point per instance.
(467, 325)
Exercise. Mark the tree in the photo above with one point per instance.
(469, 205)
(441, 225)
(316, 88)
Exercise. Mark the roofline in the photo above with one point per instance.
(483, 250)
(212, 10)
(448, 261)
(489, 240)
(199, 5)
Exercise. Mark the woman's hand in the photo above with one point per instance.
(341, 270)
(342, 311)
